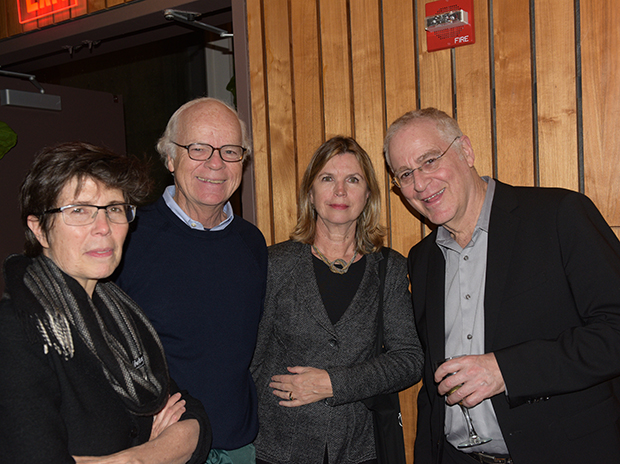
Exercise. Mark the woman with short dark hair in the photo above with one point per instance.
(84, 376)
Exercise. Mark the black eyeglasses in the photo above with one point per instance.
(204, 152)
(405, 178)
(82, 215)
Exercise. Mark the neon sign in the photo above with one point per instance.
(29, 10)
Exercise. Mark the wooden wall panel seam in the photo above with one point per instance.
(535, 146)
(579, 95)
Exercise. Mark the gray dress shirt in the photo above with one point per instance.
(464, 322)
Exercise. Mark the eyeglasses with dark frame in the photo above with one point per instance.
(204, 151)
(406, 177)
(83, 215)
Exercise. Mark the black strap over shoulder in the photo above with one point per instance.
(382, 271)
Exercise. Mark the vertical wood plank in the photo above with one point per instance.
(47, 20)
(260, 123)
(4, 21)
(336, 60)
(473, 91)
(307, 84)
(400, 97)
(12, 15)
(62, 16)
(600, 42)
(367, 73)
(557, 99)
(84, 7)
(91, 6)
(399, 58)
(513, 84)
(405, 230)
(281, 131)
(435, 70)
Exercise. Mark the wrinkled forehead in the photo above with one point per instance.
(414, 142)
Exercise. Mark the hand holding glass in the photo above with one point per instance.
(474, 439)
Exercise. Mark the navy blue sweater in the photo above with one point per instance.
(203, 291)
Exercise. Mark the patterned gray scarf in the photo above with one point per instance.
(115, 331)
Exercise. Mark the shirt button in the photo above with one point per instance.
(469, 336)
(465, 258)
(333, 343)
(468, 296)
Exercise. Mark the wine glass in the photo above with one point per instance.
(474, 439)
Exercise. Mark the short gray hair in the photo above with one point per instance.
(446, 125)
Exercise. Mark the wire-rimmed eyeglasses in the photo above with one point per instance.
(82, 215)
(204, 151)
(405, 178)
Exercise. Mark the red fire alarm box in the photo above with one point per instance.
(449, 24)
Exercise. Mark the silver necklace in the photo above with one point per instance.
(337, 266)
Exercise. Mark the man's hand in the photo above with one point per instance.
(479, 378)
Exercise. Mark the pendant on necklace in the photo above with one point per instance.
(337, 266)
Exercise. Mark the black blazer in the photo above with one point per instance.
(552, 318)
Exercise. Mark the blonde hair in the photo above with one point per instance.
(369, 233)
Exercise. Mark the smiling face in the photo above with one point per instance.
(90, 252)
(204, 187)
(449, 196)
(339, 192)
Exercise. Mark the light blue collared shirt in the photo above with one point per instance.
(192, 223)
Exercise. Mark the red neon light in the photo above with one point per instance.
(29, 10)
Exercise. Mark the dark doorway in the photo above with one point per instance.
(151, 64)
(154, 80)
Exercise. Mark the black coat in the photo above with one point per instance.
(552, 318)
(52, 408)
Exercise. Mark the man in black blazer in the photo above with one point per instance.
(523, 281)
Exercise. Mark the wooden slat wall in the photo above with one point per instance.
(600, 61)
(556, 96)
(400, 96)
(473, 102)
(9, 15)
(537, 93)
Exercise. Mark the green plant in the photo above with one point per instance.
(8, 139)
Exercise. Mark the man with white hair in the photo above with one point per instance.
(199, 272)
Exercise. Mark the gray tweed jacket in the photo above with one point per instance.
(296, 331)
